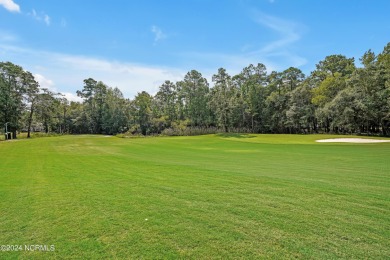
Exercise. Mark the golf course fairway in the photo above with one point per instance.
(224, 196)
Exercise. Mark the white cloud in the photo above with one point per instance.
(44, 82)
(10, 5)
(158, 34)
(40, 17)
(49, 84)
(72, 97)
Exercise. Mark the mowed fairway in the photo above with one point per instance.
(215, 196)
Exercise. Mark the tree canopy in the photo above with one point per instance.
(337, 97)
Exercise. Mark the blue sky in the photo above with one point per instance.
(137, 44)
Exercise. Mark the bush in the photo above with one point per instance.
(129, 134)
(190, 130)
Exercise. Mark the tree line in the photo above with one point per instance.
(337, 97)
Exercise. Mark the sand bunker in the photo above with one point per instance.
(352, 140)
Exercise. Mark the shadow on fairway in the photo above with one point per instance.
(234, 135)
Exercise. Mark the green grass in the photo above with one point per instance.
(215, 196)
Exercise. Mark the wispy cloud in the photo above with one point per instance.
(275, 54)
(10, 5)
(7, 37)
(158, 34)
(46, 19)
(66, 72)
(42, 17)
(288, 33)
(233, 63)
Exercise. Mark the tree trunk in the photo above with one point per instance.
(64, 126)
(327, 127)
(253, 125)
(46, 126)
(383, 126)
(30, 121)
